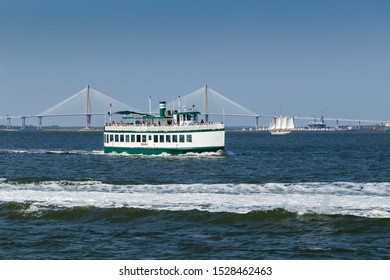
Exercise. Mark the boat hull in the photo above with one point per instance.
(157, 151)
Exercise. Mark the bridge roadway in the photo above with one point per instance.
(306, 118)
(39, 118)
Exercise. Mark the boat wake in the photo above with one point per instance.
(100, 152)
(336, 198)
(165, 155)
(59, 152)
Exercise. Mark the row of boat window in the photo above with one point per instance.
(142, 138)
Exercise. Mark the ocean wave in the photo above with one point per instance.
(25, 210)
(328, 198)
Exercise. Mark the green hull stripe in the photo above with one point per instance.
(154, 151)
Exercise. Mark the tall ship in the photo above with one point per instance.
(172, 131)
(281, 125)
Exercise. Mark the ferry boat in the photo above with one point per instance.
(172, 132)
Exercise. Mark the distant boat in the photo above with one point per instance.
(281, 125)
(317, 125)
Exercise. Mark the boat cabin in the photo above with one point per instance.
(165, 118)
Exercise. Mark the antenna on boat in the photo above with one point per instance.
(179, 104)
(150, 105)
(110, 111)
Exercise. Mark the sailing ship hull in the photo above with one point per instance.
(168, 139)
(280, 132)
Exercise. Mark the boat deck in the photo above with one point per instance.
(163, 128)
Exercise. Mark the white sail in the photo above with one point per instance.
(278, 123)
(283, 122)
(272, 126)
(290, 123)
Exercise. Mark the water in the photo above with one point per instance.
(307, 195)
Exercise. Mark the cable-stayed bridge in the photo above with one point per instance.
(211, 103)
(89, 102)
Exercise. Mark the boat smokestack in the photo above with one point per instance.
(163, 107)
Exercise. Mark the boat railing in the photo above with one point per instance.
(165, 127)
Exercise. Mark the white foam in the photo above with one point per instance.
(345, 198)
(115, 154)
(167, 155)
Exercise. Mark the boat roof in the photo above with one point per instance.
(187, 113)
(151, 116)
(130, 112)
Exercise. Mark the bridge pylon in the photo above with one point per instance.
(86, 103)
(88, 116)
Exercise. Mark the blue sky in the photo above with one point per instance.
(302, 56)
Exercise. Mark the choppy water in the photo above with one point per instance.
(306, 195)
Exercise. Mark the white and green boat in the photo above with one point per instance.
(172, 131)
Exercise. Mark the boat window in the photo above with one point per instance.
(161, 138)
(127, 138)
(181, 138)
(116, 138)
(150, 137)
(111, 137)
(174, 138)
(138, 138)
(155, 138)
(143, 138)
(168, 139)
(122, 138)
(189, 138)
(132, 138)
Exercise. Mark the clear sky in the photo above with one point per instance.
(304, 56)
